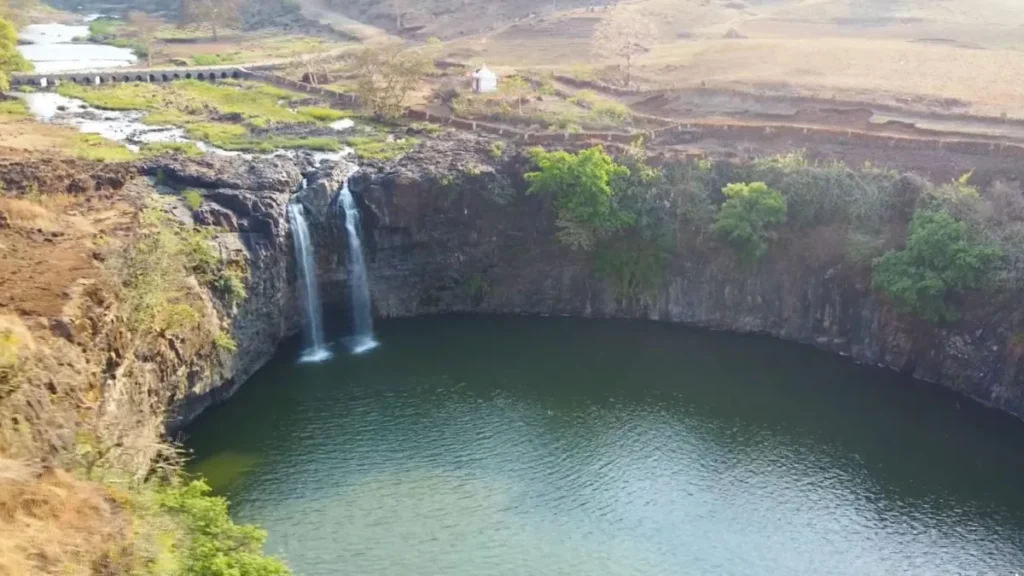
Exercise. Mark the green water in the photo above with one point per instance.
(515, 446)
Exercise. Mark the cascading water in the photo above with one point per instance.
(315, 351)
(362, 316)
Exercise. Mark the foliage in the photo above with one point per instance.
(224, 341)
(153, 149)
(516, 88)
(387, 75)
(232, 285)
(634, 265)
(11, 59)
(103, 29)
(214, 59)
(749, 216)
(581, 186)
(862, 249)
(193, 198)
(380, 148)
(498, 150)
(13, 107)
(213, 545)
(939, 262)
(828, 192)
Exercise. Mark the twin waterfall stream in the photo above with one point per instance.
(362, 339)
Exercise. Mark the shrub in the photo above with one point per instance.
(581, 185)
(13, 107)
(749, 216)
(9, 344)
(212, 544)
(939, 262)
(232, 285)
(193, 198)
(498, 150)
(224, 341)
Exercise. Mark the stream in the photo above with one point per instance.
(473, 445)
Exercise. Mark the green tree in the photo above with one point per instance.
(214, 545)
(749, 216)
(939, 262)
(517, 88)
(10, 59)
(584, 196)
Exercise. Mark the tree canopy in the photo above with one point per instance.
(749, 216)
(11, 59)
(582, 187)
(939, 262)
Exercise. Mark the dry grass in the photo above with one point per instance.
(53, 523)
(32, 215)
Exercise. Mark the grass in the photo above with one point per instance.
(379, 148)
(13, 108)
(96, 147)
(215, 59)
(193, 198)
(200, 107)
(152, 149)
(323, 114)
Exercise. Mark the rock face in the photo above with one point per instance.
(247, 199)
(450, 228)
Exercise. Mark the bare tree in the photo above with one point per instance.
(625, 37)
(317, 61)
(387, 74)
(399, 8)
(216, 14)
(145, 28)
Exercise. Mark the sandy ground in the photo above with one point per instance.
(965, 52)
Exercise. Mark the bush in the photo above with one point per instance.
(224, 341)
(581, 185)
(9, 345)
(749, 216)
(498, 150)
(939, 262)
(193, 198)
(323, 114)
(232, 285)
(212, 544)
(830, 192)
(153, 149)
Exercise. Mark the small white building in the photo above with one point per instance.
(484, 80)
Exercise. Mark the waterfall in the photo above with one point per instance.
(315, 351)
(362, 315)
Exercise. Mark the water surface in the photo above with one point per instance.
(51, 49)
(514, 446)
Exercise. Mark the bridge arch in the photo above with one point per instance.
(176, 77)
(152, 77)
(127, 79)
(223, 75)
(201, 76)
(234, 74)
(188, 75)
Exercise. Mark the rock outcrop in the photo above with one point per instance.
(450, 228)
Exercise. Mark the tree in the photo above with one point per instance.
(316, 61)
(749, 216)
(583, 191)
(387, 74)
(145, 28)
(399, 8)
(626, 37)
(939, 262)
(516, 88)
(11, 59)
(213, 13)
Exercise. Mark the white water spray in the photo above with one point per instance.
(362, 315)
(315, 349)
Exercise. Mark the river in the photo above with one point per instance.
(61, 48)
(469, 445)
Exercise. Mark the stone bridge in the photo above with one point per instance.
(116, 75)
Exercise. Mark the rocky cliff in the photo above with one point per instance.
(450, 228)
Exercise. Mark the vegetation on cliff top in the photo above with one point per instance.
(629, 214)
